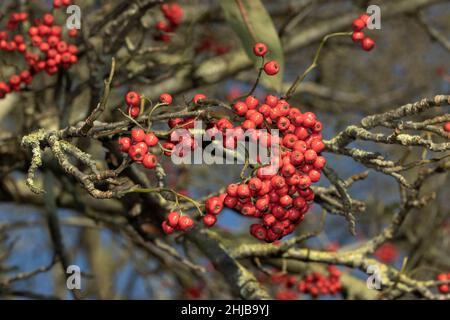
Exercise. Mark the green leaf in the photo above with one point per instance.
(256, 27)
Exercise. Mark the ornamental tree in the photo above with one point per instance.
(236, 149)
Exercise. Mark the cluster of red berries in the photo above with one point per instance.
(42, 48)
(173, 15)
(271, 67)
(133, 101)
(213, 207)
(358, 25)
(443, 288)
(180, 140)
(279, 194)
(315, 284)
(387, 252)
(176, 221)
(446, 126)
(138, 147)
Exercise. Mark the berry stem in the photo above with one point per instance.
(313, 65)
(149, 119)
(260, 71)
(131, 119)
(175, 193)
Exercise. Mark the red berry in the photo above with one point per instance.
(258, 231)
(132, 98)
(137, 135)
(173, 219)
(251, 102)
(240, 108)
(213, 205)
(271, 68)
(230, 201)
(209, 220)
(137, 153)
(151, 139)
(44, 47)
(257, 118)
(33, 31)
(271, 101)
(255, 184)
(447, 126)
(367, 44)
(305, 182)
(285, 201)
(149, 161)
(357, 36)
(262, 204)
(162, 26)
(358, 24)
(278, 182)
(243, 191)
(260, 49)
(165, 98)
(310, 156)
(288, 170)
(269, 220)
(73, 33)
(198, 97)
(48, 19)
(185, 223)
(365, 18)
(232, 190)
(314, 175)
(248, 124)
(248, 209)
(283, 123)
(14, 80)
(444, 288)
(320, 162)
(125, 144)
(317, 145)
(168, 146)
(134, 112)
(166, 228)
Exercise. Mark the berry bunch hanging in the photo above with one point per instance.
(271, 67)
(42, 47)
(278, 194)
(140, 142)
(173, 14)
(176, 221)
(138, 147)
(133, 101)
(358, 35)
